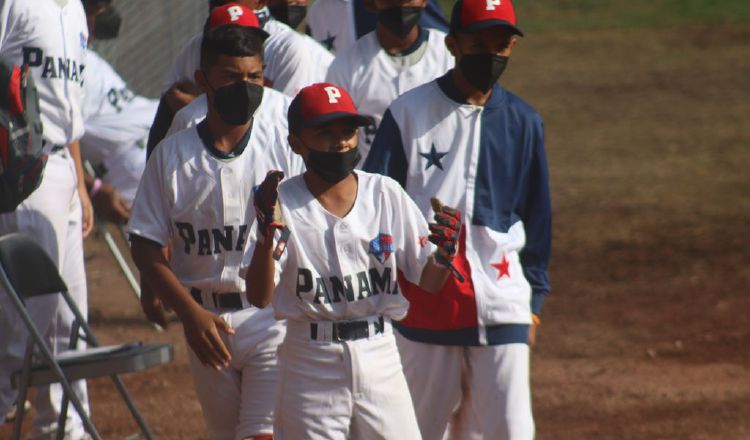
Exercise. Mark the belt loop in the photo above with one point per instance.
(196, 294)
(215, 299)
(313, 331)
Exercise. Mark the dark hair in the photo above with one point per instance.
(231, 40)
(216, 3)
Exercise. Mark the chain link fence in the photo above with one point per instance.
(151, 34)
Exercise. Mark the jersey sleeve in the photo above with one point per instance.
(410, 234)
(7, 19)
(150, 217)
(387, 154)
(184, 65)
(536, 213)
(298, 64)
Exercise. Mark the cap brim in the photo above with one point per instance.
(361, 120)
(260, 32)
(485, 24)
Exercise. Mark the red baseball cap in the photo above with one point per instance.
(234, 14)
(320, 103)
(475, 15)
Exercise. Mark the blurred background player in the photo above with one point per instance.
(116, 122)
(292, 61)
(194, 193)
(397, 56)
(351, 233)
(51, 37)
(290, 12)
(337, 24)
(478, 147)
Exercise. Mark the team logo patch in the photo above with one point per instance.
(382, 247)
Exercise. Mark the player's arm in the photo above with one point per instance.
(201, 326)
(87, 209)
(434, 276)
(260, 275)
(536, 213)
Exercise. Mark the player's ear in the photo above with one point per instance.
(294, 142)
(452, 45)
(200, 79)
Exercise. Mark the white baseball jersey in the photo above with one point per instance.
(292, 61)
(374, 80)
(271, 112)
(200, 201)
(117, 123)
(337, 269)
(57, 60)
(337, 24)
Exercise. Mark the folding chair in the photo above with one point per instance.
(27, 271)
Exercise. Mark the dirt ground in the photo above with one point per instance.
(646, 334)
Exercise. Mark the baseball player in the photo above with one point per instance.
(337, 24)
(389, 61)
(335, 282)
(474, 145)
(50, 36)
(292, 62)
(194, 194)
(289, 12)
(117, 123)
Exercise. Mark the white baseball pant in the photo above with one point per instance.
(498, 379)
(342, 390)
(52, 216)
(238, 401)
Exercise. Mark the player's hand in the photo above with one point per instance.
(87, 211)
(533, 329)
(202, 333)
(180, 95)
(152, 307)
(267, 209)
(110, 206)
(444, 232)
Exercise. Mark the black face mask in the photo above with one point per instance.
(291, 15)
(236, 103)
(107, 24)
(482, 70)
(331, 166)
(400, 20)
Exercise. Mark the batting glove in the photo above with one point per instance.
(267, 209)
(444, 234)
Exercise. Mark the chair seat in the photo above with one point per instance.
(100, 361)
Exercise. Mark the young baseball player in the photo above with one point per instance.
(473, 144)
(337, 24)
(194, 194)
(389, 61)
(50, 37)
(117, 123)
(292, 61)
(336, 279)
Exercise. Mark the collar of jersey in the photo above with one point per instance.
(208, 141)
(450, 90)
(424, 34)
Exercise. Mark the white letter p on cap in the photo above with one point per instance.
(492, 3)
(235, 12)
(333, 94)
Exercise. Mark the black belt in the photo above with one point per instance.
(55, 148)
(229, 300)
(350, 330)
